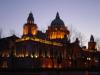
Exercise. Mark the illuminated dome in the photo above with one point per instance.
(57, 21)
(57, 29)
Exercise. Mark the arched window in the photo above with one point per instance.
(25, 30)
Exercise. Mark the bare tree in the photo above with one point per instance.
(0, 32)
(98, 43)
(12, 32)
(76, 34)
(81, 38)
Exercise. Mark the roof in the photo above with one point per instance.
(57, 22)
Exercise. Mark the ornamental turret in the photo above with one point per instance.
(91, 44)
(30, 28)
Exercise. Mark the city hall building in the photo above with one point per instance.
(52, 49)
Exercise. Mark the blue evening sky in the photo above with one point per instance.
(82, 15)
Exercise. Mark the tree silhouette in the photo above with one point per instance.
(0, 32)
(74, 33)
(98, 43)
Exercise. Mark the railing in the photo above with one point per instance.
(40, 40)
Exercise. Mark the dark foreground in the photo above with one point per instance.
(49, 72)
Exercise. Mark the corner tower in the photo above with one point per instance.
(57, 29)
(91, 44)
(30, 28)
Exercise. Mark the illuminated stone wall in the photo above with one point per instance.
(57, 33)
